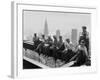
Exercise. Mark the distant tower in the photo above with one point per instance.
(46, 32)
(57, 33)
(74, 36)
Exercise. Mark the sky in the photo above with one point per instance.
(34, 22)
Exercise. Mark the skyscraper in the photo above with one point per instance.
(74, 36)
(46, 32)
(57, 34)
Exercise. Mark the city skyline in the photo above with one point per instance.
(35, 22)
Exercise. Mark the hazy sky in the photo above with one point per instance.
(34, 22)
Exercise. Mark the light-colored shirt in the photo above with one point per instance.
(83, 49)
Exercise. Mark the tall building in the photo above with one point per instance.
(74, 36)
(46, 31)
(57, 33)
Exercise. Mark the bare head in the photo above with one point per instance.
(84, 28)
(43, 36)
(82, 43)
(60, 37)
(35, 34)
(54, 37)
(68, 40)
